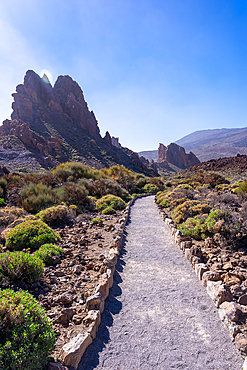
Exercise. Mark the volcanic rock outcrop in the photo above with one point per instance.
(55, 125)
(175, 154)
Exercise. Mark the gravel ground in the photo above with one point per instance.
(158, 315)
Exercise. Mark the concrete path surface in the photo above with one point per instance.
(158, 315)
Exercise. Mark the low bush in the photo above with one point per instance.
(111, 201)
(20, 265)
(108, 211)
(36, 197)
(73, 171)
(214, 178)
(30, 234)
(241, 190)
(56, 215)
(47, 251)
(96, 220)
(72, 193)
(189, 208)
(150, 188)
(218, 221)
(193, 227)
(26, 335)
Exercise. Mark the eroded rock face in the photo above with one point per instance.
(175, 155)
(55, 126)
(66, 98)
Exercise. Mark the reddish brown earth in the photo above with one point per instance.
(237, 164)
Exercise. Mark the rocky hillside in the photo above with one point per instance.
(50, 125)
(237, 164)
(213, 144)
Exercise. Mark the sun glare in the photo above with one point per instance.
(47, 73)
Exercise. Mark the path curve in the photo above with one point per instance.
(158, 315)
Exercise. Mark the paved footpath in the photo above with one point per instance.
(158, 315)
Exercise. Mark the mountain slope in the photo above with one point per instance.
(213, 144)
(150, 154)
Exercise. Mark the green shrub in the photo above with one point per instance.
(96, 220)
(214, 217)
(108, 211)
(26, 335)
(37, 197)
(189, 208)
(2, 202)
(110, 201)
(218, 221)
(47, 251)
(214, 178)
(164, 203)
(30, 234)
(73, 171)
(55, 215)
(72, 193)
(150, 188)
(193, 227)
(20, 265)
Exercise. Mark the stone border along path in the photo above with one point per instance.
(158, 315)
(73, 351)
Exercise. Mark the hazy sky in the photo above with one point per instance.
(151, 70)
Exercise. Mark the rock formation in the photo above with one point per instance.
(66, 99)
(55, 125)
(175, 154)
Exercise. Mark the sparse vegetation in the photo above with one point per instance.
(47, 251)
(111, 201)
(96, 220)
(21, 265)
(56, 215)
(26, 336)
(30, 234)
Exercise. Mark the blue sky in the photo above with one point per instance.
(151, 70)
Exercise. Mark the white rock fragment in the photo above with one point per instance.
(73, 351)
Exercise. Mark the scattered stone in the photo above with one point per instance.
(103, 286)
(233, 278)
(95, 302)
(234, 329)
(212, 287)
(73, 351)
(65, 316)
(210, 275)
(77, 319)
(65, 298)
(243, 300)
(92, 322)
(222, 294)
(229, 311)
(241, 343)
(200, 268)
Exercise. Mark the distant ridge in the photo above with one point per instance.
(216, 143)
(150, 154)
(210, 144)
